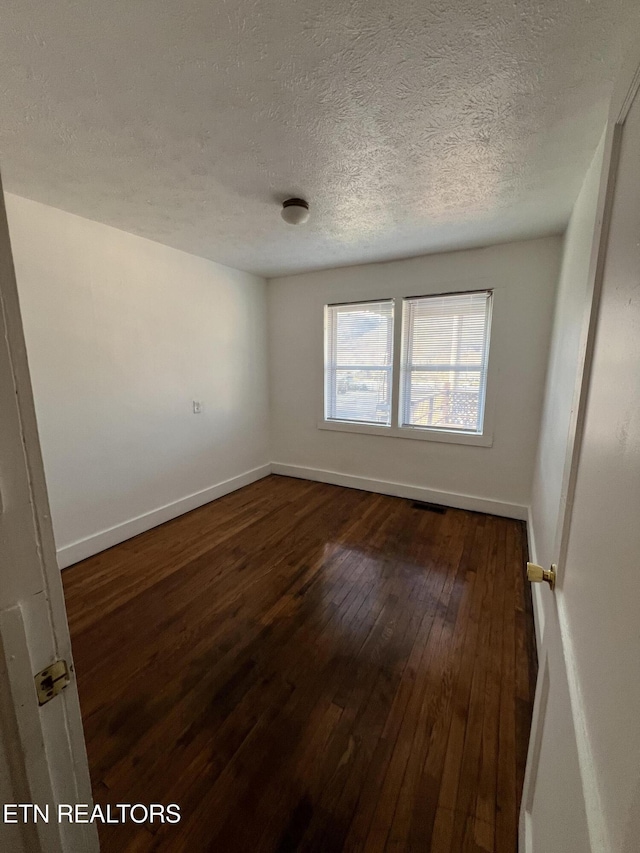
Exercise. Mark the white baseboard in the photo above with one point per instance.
(84, 548)
(538, 609)
(402, 490)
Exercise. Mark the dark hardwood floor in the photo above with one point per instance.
(305, 667)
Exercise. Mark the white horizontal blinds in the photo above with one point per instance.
(444, 367)
(358, 362)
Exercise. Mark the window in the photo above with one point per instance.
(445, 342)
(358, 362)
(439, 380)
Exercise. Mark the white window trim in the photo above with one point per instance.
(483, 439)
(391, 369)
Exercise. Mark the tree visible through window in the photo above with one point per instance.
(358, 362)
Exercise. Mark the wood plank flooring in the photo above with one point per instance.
(305, 667)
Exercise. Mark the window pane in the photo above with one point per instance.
(446, 400)
(363, 395)
(445, 338)
(358, 360)
(445, 344)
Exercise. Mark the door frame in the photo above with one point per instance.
(46, 757)
(625, 91)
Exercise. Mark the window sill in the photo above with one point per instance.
(421, 434)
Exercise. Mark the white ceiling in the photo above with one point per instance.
(410, 125)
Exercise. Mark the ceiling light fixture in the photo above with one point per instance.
(295, 211)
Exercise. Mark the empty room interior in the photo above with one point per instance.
(330, 314)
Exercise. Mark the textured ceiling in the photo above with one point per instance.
(410, 126)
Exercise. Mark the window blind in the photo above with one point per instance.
(444, 364)
(358, 362)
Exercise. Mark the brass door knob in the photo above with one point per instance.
(536, 574)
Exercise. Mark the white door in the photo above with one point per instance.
(42, 754)
(582, 787)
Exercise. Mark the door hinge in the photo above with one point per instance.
(51, 681)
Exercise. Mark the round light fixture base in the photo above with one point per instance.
(295, 211)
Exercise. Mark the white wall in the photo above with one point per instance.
(562, 374)
(497, 478)
(122, 335)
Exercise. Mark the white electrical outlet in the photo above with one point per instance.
(197, 407)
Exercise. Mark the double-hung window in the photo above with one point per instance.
(442, 375)
(358, 362)
(444, 361)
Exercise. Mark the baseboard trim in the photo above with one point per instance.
(402, 490)
(83, 548)
(536, 591)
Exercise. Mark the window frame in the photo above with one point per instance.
(330, 366)
(407, 369)
(395, 430)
